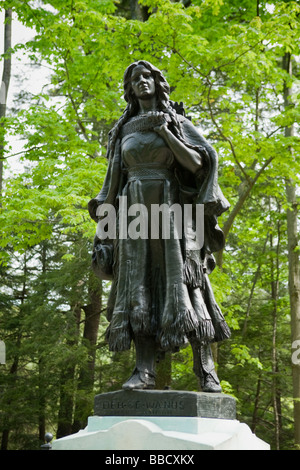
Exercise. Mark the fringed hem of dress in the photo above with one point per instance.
(192, 273)
(186, 322)
(170, 337)
(119, 339)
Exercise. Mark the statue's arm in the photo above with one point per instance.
(110, 186)
(187, 157)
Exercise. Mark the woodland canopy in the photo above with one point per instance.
(235, 66)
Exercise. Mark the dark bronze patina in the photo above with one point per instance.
(161, 296)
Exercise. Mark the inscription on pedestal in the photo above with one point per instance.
(150, 406)
(165, 403)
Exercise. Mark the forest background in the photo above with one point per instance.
(235, 66)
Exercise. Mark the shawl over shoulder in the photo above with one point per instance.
(203, 187)
(198, 188)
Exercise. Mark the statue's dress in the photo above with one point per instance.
(153, 293)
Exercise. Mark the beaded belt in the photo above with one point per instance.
(152, 173)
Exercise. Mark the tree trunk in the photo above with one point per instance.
(255, 279)
(66, 405)
(274, 295)
(4, 87)
(294, 264)
(87, 373)
(14, 367)
(138, 12)
(41, 364)
(13, 372)
(256, 406)
(42, 403)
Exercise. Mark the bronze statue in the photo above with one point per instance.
(161, 296)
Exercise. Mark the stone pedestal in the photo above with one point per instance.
(162, 420)
(170, 403)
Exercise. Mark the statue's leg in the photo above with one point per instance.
(143, 376)
(204, 367)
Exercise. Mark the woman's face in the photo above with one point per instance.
(142, 83)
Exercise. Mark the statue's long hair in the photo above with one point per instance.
(162, 90)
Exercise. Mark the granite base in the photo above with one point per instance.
(162, 420)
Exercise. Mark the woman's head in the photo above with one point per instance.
(162, 91)
(162, 88)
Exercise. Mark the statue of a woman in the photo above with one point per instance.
(161, 296)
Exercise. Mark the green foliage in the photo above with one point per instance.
(224, 61)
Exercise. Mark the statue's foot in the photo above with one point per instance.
(211, 384)
(140, 380)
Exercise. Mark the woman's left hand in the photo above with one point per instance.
(161, 130)
(163, 127)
